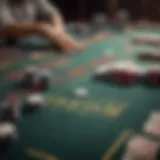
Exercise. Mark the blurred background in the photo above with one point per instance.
(84, 9)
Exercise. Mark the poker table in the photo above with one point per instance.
(94, 127)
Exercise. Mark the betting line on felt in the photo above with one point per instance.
(124, 135)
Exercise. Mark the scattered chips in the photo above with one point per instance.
(36, 78)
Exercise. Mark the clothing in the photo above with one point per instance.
(26, 10)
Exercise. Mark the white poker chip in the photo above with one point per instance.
(7, 130)
(36, 99)
(127, 66)
(103, 69)
(81, 92)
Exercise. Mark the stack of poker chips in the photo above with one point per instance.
(152, 75)
(36, 79)
(147, 40)
(10, 108)
(127, 73)
(10, 112)
(8, 134)
(150, 55)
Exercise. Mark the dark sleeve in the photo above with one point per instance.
(5, 15)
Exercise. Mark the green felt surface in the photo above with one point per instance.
(71, 128)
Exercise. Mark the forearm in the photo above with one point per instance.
(19, 29)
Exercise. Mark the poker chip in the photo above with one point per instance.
(125, 73)
(147, 39)
(45, 76)
(153, 75)
(35, 100)
(144, 55)
(8, 133)
(7, 129)
(37, 79)
(30, 70)
(29, 73)
(150, 55)
(103, 72)
(81, 92)
(103, 69)
(10, 109)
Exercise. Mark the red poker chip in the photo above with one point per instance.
(36, 86)
(153, 76)
(145, 55)
(150, 55)
(125, 72)
(124, 76)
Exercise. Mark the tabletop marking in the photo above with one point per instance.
(54, 63)
(116, 145)
(41, 155)
(98, 61)
(15, 74)
(79, 70)
(62, 62)
(110, 108)
(114, 109)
